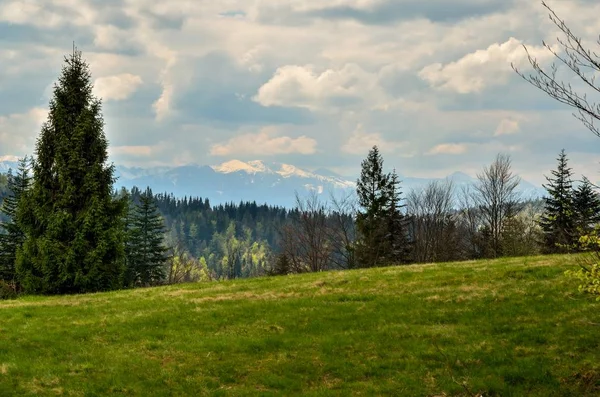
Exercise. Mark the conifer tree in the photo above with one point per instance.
(146, 253)
(373, 189)
(398, 248)
(558, 218)
(73, 225)
(586, 203)
(12, 236)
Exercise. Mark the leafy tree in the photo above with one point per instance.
(73, 226)
(146, 252)
(586, 203)
(12, 236)
(558, 219)
(373, 189)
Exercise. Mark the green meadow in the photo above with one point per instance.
(507, 327)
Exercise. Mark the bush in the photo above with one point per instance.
(589, 273)
(8, 290)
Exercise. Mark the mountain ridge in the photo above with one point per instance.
(261, 181)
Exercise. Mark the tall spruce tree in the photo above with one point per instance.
(373, 189)
(558, 218)
(73, 225)
(146, 253)
(13, 235)
(398, 248)
(586, 203)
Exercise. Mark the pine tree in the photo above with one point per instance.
(397, 224)
(586, 203)
(12, 236)
(558, 218)
(73, 224)
(373, 189)
(146, 253)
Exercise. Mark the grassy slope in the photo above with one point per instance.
(506, 327)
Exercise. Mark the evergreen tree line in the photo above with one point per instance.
(438, 223)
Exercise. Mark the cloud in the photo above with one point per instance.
(390, 12)
(264, 143)
(360, 142)
(507, 127)
(137, 151)
(305, 87)
(478, 70)
(117, 88)
(448, 148)
(214, 76)
(18, 131)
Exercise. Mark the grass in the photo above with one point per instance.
(510, 327)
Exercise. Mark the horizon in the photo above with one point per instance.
(434, 90)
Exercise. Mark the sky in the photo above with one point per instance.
(314, 83)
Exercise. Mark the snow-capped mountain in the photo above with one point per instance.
(263, 182)
(272, 183)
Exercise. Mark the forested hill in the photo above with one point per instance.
(230, 241)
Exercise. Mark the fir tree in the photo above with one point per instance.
(12, 236)
(558, 218)
(146, 253)
(73, 224)
(397, 224)
(586, 203)
(373, 189)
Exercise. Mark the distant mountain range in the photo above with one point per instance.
(263, 182)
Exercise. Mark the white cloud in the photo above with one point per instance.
(448, 148)
(18, 131)
(483, 68)
(507, 127)
(137, 151)
(305, 87)
(360, 142)
(117, 88)
(264, 143)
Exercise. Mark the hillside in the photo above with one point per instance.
(506, 327)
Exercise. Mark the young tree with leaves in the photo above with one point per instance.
(558, 218)
(12, 234)
(73, 225)
(146, 252)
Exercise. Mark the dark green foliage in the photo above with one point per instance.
(145, 251)
(397, 244)
(282, 265)
(73, 225)
(586, 203)
(558, 219)
(380, 224)
(12, 235)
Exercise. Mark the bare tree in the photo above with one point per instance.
(497, 198)
(430, 211)
(305, 241)
(581, 61)
(470, 222)
(342, 230)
